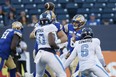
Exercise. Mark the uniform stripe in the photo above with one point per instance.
(102, 70)
(60, 62)
(47, 73)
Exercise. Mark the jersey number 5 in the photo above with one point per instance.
(84, 50)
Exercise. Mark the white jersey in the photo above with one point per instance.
(86, 50)
(42, 35)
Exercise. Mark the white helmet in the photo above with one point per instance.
(17, 25)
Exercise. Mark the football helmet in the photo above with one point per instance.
(86, 33)
(78, 21)
(52, 14)
(47, 17)
(17, 25)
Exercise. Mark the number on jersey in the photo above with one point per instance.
(84, 50)
(40, 38)
(5, 34)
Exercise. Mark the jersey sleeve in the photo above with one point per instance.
(98, 49)
(78, 36)
(97, 41)
(52, 28)
(18, 32)
(99, 53)
(59, 26)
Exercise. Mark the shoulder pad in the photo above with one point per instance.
(96, 40)
(18, 33)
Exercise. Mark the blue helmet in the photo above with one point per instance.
(86, 33)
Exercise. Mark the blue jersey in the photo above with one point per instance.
(36, 47)
(5, 42)
(58, 25)
(70, 32)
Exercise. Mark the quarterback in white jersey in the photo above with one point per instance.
(87, 49)
(45, 37)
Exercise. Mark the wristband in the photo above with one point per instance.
(58, 41)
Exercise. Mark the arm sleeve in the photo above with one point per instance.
(18, 33)
(99, 54)
(71, 58)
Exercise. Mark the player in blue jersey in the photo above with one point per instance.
(8, 43)
(73, 31)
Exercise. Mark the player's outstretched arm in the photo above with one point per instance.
(51, 39)
(32, 34)
(62, 37)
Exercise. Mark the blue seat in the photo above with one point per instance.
(100, 5)
(40, 6)
(83, 10)
(79, 1)
(109, 10)
(30, 6)
(96, 10)
(114, 1)
(15, 1)
(107, 16)
(111, 5)
(57, 6)
(88, 5)
(19, 6)
(54, 1)
(72, 5)
(35, 11)
(39, 1)
(63, 1)
(102, 1)
(91, 1)
(63, 16)
(61, 11)
(26, 1)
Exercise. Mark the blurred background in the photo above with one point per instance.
(100, 15)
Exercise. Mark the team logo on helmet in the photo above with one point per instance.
(80, 19)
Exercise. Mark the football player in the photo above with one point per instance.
(49, 6)
(87, 49)
(45, 37)
(8, 42)
(73, 31)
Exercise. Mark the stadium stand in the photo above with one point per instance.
(104, 9)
